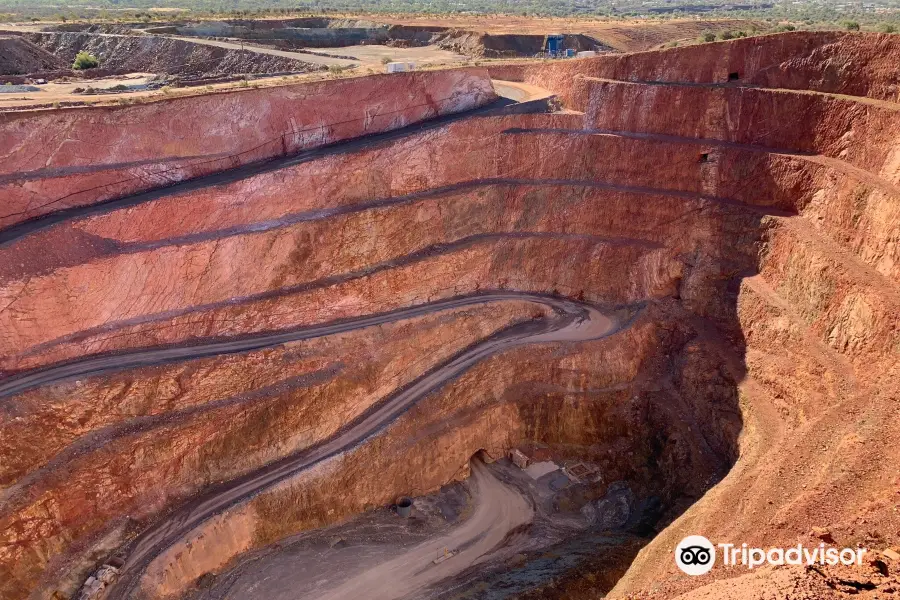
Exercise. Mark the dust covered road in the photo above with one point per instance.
(500, 509)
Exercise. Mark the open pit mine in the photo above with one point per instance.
(484, 332)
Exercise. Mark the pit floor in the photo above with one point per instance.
(310, 563)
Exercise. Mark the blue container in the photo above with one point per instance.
(554, 43)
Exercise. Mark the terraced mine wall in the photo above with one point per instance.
(746, 258)
(834, 62)
(59, 159)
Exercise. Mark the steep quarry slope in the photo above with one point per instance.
(690, 281)
(479, 44)
(820, 399)
(832, 62)
(150, 54)
(18, 55)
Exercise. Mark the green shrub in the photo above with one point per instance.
(852, 26)
(386, 60)
(887, 28)
(83, 60)
(709, 36)
(731, 35)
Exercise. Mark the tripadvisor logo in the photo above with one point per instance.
(696, 555)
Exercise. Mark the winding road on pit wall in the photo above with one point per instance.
(569, 321)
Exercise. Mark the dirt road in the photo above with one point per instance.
(96, 365)
(572, 321)
(500, 510)
(373, 54)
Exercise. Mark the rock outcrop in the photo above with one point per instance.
(742, 238)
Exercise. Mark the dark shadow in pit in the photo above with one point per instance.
(669, 436)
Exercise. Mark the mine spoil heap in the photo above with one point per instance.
(225, 319)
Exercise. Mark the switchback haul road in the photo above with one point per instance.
(570, 321)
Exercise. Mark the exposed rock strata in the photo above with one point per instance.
(751, 233)
(841, 63)
(56, 159)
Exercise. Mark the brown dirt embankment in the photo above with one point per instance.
(477, 44)
(152, 54)
(19, 56)
(632, 35)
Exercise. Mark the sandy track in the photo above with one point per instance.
(500, 509)
(520, 92)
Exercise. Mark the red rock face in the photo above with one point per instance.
(833, 62)
(744, 238)
(56, 159)
(772, 119)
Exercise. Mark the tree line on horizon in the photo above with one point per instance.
(874, 14)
